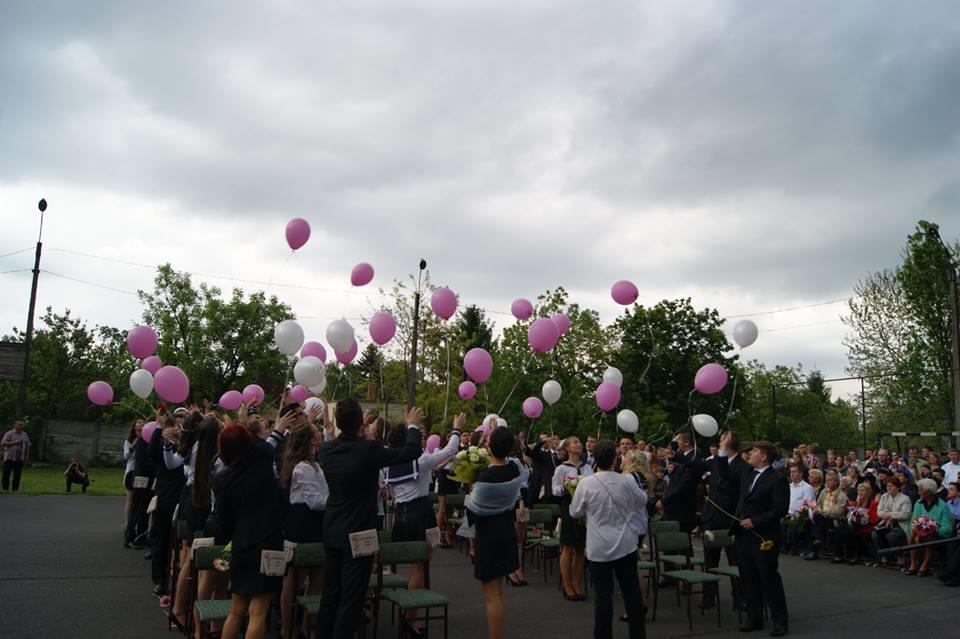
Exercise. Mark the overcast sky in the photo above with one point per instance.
(753, 156)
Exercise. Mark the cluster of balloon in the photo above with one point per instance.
(522, 309)
(142, 343)
(608, 392)
(348, 356)
(478, 365)
(340, 336)
(444, 303)
(309, 371)
(315, 350)
(297, 233)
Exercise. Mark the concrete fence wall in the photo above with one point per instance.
(92, 443)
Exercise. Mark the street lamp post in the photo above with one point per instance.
(412, 373)
(28, 338)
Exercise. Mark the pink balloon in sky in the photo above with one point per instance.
(298, 232)
(142, 341)
(562, 321)
(382, 328)
(100, 393)
(171, 384)
(532, 407)
(315, 349)
(543, 334)
(151, 364)
(522, 309)
(478, 364)
(346, 358)
(467, 390)
(444, 303)
(624, 292)
(608, 396)
(361, 275)
(710, 379)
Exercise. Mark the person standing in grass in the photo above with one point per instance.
(16, 447)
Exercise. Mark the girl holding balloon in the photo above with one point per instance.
(573, 533)
(128, 473)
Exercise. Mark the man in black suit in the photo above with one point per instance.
(545, 460)
(726, 473)
(680, 497)
(351, 466)
(764, 501)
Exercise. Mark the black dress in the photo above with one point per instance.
(249, 512)
(496, 540)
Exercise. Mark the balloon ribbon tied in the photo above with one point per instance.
(446, 390)
(523, 372)
(733, 396)
(765, 544)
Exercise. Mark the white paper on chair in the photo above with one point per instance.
(273, 563)
(364, 543)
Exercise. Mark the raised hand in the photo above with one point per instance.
(460, 421)
(413, 416)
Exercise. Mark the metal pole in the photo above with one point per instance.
(412, 373)
(955, 344)
(28, 338)
(863, 415)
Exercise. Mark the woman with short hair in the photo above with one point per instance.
(894, 512)
(932, 507)
(831, 509)
(573, 532)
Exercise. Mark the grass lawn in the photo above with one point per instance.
(49, 480)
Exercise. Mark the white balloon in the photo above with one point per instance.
(745, 333)
(310, 402)
(551, 392)
(501, 422)
(705, 425)
(288, 335)
(613, 375)
(340, 335)
(628, 421)
(319, 388)
(308, 371)
(141, 383)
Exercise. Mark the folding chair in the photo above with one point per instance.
(410, 553)
(309, 556)
(209, 610)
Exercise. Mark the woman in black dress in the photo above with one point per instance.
(248, 514)
(496, 538)
(573, 533)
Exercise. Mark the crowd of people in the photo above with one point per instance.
(262, 483)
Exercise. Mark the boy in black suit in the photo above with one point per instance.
(764, 501)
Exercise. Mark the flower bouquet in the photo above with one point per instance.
(858, 517)
(468, 464)
(223, 563)
(924, 526)
(571, 486)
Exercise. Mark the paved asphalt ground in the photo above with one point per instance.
(64, 574)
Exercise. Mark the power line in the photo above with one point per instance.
(74, 279)
(24, 250)
(791, 308)
(16, 270)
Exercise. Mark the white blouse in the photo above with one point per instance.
(565, 472)
(309, 486)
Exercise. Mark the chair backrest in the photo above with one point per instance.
(311, 555)
(455, 501)
(204, 555)
(721, 539)
(384, 536)
(404, 552)
(660, 526)
(673, 543)
(540, 516)
(433, 498)
(553, 508)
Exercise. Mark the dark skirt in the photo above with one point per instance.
(412, 520)
(572, 531)
(496, 546)
(446, 485)
(128, 480)
(194, 517)
(303, 525)
(245, 576)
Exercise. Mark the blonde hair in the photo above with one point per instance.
(637, 461)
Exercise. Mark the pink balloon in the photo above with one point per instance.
(624, 292)
(433, 442)
(482, 428)
(171, 384)
(315, 349)
(100, 393)
(444, 303)
(346, 358)
(478, 364)
(298, 232)
(532, 407)
(231, 400)
(253, 395)
(543, 334)
(142, 341)
(522, 309)
(562, 321)
(467, 390)
(362, 274)
(382, 328)
(152, 364)
(608, 396)
(298, 393)
(148, 430)
(710, 379)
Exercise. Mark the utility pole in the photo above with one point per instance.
(28, 339)
(412, 373)
(863, 414)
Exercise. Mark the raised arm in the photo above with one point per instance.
(440, 457)
(409, 451)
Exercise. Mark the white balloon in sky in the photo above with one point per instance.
(745, 333)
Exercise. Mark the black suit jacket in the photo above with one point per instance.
(351, 467)
(248, 506)
(726, 475)
(544, 463)
(680, 498)
(169, 482)
(766, 505)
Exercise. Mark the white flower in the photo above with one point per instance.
(474, 457)
(461, 455)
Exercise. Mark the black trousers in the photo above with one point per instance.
(160, 533)
(760, 579)
(345, 580)
(12, 466)
(625, 570)
(711, 559)
(77, 478)
(137, 521)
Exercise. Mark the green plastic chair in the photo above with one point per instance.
(408, 553)
(308, 556)
(208, 610)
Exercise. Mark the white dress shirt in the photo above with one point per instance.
(129, 457)
(951, 473)
(309, 486)
(420, 487)
(609, 500)
(800, 493)
(172, 460)
(756, 475)
(565, 472)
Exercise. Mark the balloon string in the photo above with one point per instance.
(599, 423)
(446, 390)
(383, 392)
(131, 408)
(653, 348)
(337, 386)
(733, 395)
(693, 431)
(523, 372)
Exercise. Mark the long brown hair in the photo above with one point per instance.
(207, 434)
(132, 435)
(297, 449)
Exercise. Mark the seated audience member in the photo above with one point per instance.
(908, 488)
(933, 508)
(801, 494)
(938, 476)
(953, 500)
(76, 473)
(854, 540)
(815, 479)
(831, 511)
(951, 469)
(848, 487)
(894, 512)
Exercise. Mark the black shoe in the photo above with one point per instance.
(749, 627)
(953, 582)
(159, 591)
(810, 556)
(148, 555)
(779, 631)
(836, 560)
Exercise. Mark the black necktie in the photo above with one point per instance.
(753, 481)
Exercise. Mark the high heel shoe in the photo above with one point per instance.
(515, 584)
(568, 597)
